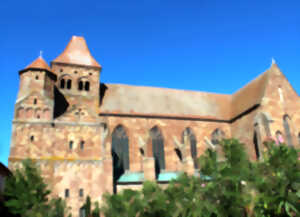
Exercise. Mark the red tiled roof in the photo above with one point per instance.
(78, 53)
(38, 63)
(137, 100)
(249, 95)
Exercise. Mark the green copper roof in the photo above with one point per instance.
(131, 177)
(162, 177)
(168, 176)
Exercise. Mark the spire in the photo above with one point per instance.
(273, 61)
(38, 63)
(78, 53)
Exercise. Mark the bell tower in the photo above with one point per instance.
(78, 74)
(35, 99)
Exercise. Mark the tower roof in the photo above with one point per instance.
(38, 63)
(78, 53)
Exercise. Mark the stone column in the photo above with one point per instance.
(149, 168)
(188, 165)
(108, 174)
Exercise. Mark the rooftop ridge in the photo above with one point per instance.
(166, 88)
(77, 53)
(38, 63)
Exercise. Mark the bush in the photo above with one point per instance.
(27, 195)
(237, 187)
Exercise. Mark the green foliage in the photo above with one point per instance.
(237, 187)
(278, 186)
(88, 208)
(27, 194)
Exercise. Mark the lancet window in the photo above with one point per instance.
(287, 130)
(120, 152)
(158, 149)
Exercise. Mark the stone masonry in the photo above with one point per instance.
(66, 121)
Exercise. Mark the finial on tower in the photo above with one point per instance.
(41, 53)
(273, 61)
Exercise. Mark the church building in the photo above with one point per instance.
(90, 137)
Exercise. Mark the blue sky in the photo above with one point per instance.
(205, 45)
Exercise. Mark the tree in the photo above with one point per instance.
(231, 187)
(278, 182)
(27, 194)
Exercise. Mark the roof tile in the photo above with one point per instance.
(38, 63)
(78, 53)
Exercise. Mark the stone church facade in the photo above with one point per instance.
(90, 138)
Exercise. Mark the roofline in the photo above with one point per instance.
(74, 64)
(170, 89)
(50, 73)
(177, 117)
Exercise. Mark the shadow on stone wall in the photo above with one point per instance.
(60, 103)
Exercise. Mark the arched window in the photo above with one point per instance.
(257, 140)
(158, 149)
(87, 86)
(46, 113)
(29, 113)
(216, 136)
(193, 144)
(20, 112)
(265, 122)
(80, 192)
(38, 113)
(62, 83)
(67, 193)
(69, 84)
(80, 85)
(287, 130)
(120, 152)
(82, 145)
(299, 138)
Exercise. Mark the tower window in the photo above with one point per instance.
(87, 86)
(37, 77)
(80, 192)
(81, 145)
(75, 72)
(61, 70)
(62, 83)
(38, 116)
(31, 138)
(34, 101)
(70, 145)
(90, 73)
(69, 84)
(67, 193)
(80, 85)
